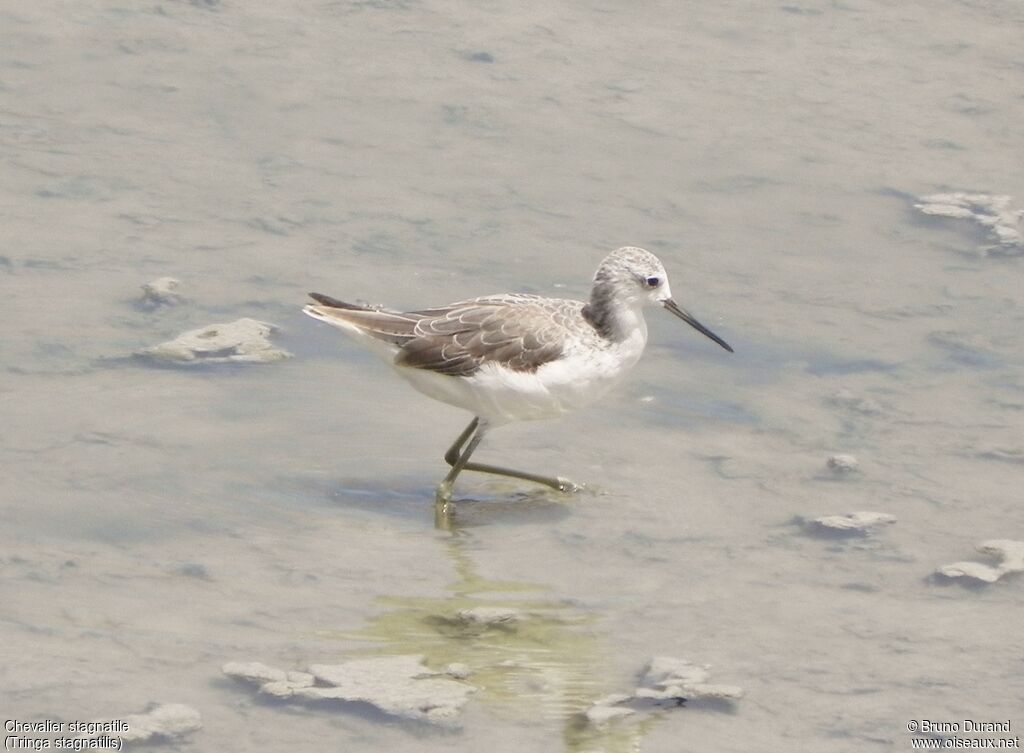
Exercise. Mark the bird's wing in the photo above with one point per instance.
(518, 332)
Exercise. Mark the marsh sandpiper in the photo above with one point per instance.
(516, 357)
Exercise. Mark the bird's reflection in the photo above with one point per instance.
(532, 656)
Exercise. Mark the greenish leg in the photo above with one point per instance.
(459, 461)
(444, 489)
(452, 456)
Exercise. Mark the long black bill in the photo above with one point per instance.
(685, 315)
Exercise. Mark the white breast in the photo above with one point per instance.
(585, 374)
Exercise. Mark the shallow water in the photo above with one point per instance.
(163, 521)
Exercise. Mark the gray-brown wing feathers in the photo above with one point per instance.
(514, 331)
(519, 332)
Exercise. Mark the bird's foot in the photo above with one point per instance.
(568, 487)
(444, 508)
(444, 516)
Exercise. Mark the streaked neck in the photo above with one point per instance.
(614, 319)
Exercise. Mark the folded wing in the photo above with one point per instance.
(517, 332)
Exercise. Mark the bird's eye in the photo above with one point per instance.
(652, 282)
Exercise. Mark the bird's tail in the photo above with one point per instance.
(334, 303)
(392, 327)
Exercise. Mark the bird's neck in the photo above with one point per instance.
(613, 318)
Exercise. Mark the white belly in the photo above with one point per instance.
(500, 395)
